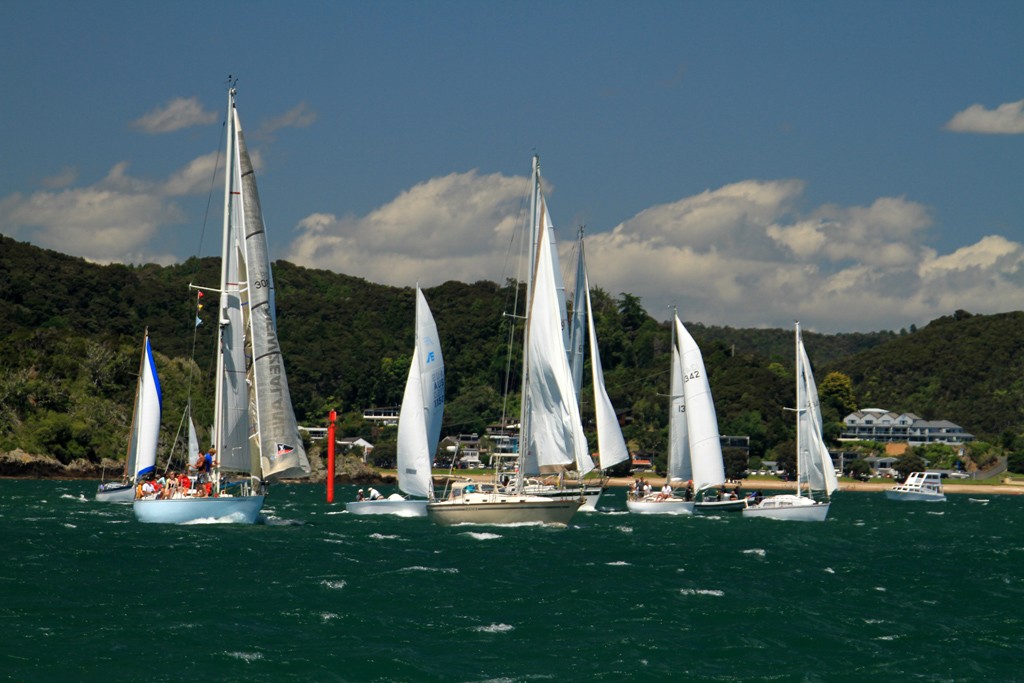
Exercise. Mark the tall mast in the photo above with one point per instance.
(222, 319)
(800, 408)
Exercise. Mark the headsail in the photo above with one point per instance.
(553, 438)
(610, 444)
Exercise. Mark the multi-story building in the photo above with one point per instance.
(875, 424)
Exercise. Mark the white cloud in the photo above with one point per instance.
(62, 178)
(743, 255)
(175, 115)
(299, 116)
(1006, 119)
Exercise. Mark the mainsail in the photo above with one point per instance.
(701, 419)
(814, 463)
(419, 424)
(145, 417)
(258, 431)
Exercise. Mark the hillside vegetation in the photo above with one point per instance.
(70, 336)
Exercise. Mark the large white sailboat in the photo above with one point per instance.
(419, 425)
(695, 449)
(551, 435)
(814, 466)
(611, 445)
(145, 433)
(254, 432)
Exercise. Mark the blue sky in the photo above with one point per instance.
(856, 165)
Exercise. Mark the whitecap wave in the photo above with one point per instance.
(482, 535)
(618, 563)
(420, 568)
(494, 628)
(334, 585)
(248, 657)
(702, 591)
(385, 537)
(760, 552)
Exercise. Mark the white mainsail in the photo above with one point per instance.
(701, 419)
(679, 469)
(256, 431)
(814, 464)
(146, 417)
(419, 424)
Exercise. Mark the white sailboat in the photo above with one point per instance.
(145, 433)
(419, 425)
(695, 449)
(813, 463)
(611, 445)
(255, 432)
(551, 435)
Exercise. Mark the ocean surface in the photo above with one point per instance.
(881, 591)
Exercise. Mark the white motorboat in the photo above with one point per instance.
(919, 486)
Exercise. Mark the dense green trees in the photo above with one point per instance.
(70, 335)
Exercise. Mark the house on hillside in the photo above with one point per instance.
(876, 424)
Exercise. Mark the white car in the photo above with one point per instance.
(959, 475)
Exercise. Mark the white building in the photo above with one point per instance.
(876, 424)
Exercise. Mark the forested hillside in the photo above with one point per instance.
(70, 334)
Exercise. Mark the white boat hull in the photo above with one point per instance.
(115, 493)
(922, 496)
(789, 508)
(226, 509)
(388, 506)
(669, 506)
(502, 509)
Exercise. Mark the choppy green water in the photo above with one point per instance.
(920, 592)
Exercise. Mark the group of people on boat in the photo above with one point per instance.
(371, 494)
(642, 490)
(179, 484)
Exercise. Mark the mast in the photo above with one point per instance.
(217, 438)
(800, 408)
(524, 410)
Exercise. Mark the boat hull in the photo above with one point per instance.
(708, 507)
(115, 493)
(920, 496)
(225, 509)
(670, 506)
(590, 494)
(789, 508)
(503, 510)
(387, 506)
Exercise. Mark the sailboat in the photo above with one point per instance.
(419, 425)
(254, 431)
(813, 463)
(611, 445)
(551, 435)
(695, 449)
(145, 432)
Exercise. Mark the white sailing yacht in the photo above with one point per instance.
(419, 425)
(695, 449)
(611, 445)
(145, 433)
(813, 463)
(551, 435)
(254, 432)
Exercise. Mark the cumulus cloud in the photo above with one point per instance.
(457, 227)
(114, 219)
(745, 254)
(177, 114)
(1007, 119)
(300, 116)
